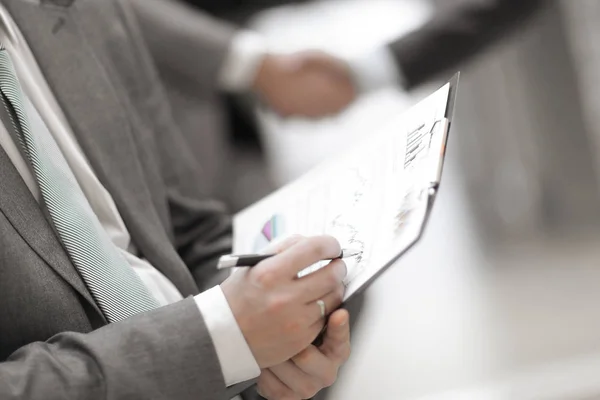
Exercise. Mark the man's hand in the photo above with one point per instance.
(313, 369)
(307, 84)
(277, 312)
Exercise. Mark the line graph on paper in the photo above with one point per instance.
(359, 183)
(350, 236)
(350, 194)
(348, 233)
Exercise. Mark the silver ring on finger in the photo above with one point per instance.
(321, 305)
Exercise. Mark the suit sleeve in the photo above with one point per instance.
(163, 354)
(184, 41)
(456, 34)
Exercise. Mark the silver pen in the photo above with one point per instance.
(250, 260)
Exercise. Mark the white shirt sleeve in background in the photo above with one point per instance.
(243, 61)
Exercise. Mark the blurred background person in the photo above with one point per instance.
(208, 63)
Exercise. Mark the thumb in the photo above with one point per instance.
(336, 343)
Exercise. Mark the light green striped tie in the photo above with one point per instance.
(112, 282)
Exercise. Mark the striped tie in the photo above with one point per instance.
(115, 286)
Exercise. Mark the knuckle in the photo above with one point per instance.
(302, 358)
(329, 378)
(272, 392)
(277, 305)
(339, 293)
(283, 394)
(292, 327)
(342, 353)
(308, 390)
(340, 268)
(332, 244)
(265, 278)
(321, 246)
(314, 248)
(332, 279)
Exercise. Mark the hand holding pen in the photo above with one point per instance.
(251, 260)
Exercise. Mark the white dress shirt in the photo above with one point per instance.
(242, 63)
(237, 361)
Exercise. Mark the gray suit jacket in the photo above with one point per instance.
(456, 33)
(189, 48)
(54, 342)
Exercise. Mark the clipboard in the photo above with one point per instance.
(373, 195)
(432, 185)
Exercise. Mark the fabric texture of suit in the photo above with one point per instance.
(455, 33)
(189, 49)
(54, 342)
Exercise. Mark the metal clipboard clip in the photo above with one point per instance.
(437, 150)
(429, 172)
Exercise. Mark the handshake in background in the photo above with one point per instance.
(208, 53)
(306, 84)
(315, 84)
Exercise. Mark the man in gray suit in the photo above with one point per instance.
(108, 248)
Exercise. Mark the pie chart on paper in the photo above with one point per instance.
(272, 229)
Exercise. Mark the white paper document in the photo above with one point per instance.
(374, 197)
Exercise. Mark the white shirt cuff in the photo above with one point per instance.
(237, 361)
(376, 69)
(241, 65)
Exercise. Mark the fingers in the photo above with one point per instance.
(336, 344)
(325, 361)
(326, 62)
(271, 388)
(302, 384)
(305, 252)
(281, 246)
(323, 281)
(308, 83)
(314, 363)
(332, 301)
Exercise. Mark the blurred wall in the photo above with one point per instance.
(525, 146)
(582, 19)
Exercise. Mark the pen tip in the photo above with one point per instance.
(347, 253)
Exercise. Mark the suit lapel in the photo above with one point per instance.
(25, 215)
(85, 91)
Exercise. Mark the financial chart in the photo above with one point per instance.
(372, 198)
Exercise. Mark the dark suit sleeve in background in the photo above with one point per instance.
(456, 34)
